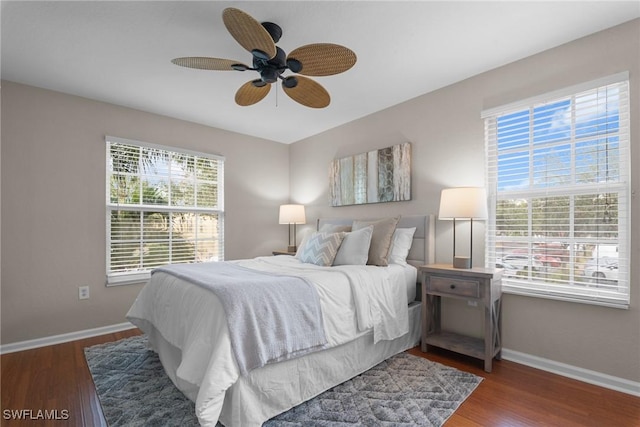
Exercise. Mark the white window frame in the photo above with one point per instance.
(116, 278)
(574, 289)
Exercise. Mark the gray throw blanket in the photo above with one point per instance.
(271, 317)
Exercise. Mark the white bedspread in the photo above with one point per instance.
(354, 300)
(271, 317)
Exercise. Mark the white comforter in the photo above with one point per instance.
(354, 300)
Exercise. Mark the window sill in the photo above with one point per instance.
(611, 302)
(122, 279)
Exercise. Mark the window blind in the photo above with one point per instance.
(558, 183)
(164, 206)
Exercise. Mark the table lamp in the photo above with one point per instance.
(463, 203)
(292, 215)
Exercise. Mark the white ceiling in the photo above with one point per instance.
(119, 52)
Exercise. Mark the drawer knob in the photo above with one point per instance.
(452, 286)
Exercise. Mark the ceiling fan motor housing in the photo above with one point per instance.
(271, 69)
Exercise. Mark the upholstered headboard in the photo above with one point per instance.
(423, 247)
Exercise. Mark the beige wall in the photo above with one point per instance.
(53, 214)
(447, 137)
(53, 204)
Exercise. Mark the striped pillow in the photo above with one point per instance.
(320, 248)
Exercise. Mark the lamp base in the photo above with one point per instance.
(292, 248)
(461, 262)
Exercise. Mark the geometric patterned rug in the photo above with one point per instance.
(404, 390)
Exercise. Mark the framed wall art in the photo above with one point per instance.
(373, 177)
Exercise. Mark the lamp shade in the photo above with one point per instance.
(292, 214)
(463, 202)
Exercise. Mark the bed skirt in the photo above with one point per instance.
(276, 388)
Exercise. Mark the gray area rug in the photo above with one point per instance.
(405, 390)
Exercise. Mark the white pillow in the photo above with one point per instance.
(354, 249)
(320, 248)
(401, 243)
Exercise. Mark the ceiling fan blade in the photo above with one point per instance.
(204, 63)
(323, 59)
(248, 32)
(249, 94)
(308, 92)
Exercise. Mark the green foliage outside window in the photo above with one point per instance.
(164, 207)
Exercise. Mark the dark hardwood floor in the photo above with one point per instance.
(57, 378)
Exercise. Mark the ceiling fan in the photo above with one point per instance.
(318, 59)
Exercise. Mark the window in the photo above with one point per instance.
(164, 206)
(558, 183)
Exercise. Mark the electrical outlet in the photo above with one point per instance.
(470, 303)
(83, 292)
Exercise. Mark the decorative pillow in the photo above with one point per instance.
(334, 228)
(320, 248)
(354, 249)
(401, 243)
(303, 243)
(380, 239)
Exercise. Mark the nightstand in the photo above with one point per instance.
(482, 285)
(283, 253)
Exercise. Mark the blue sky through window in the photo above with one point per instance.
(536, 146)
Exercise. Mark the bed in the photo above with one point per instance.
(368, 314)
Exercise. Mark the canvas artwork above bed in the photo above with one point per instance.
(373, 177)
(249, 339)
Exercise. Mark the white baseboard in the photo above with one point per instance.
(580, 374)
(59, 339)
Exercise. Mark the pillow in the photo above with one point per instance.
(380, 239)
(334, 228)
(320, 248)
(400, 245)
(303, 243)
(354, 249)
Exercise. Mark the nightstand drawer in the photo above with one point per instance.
(459, 287)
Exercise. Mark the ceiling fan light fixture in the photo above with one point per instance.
(290, 82)
(260, 54)
(269, 75)
(274, 30)
(294, 65)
